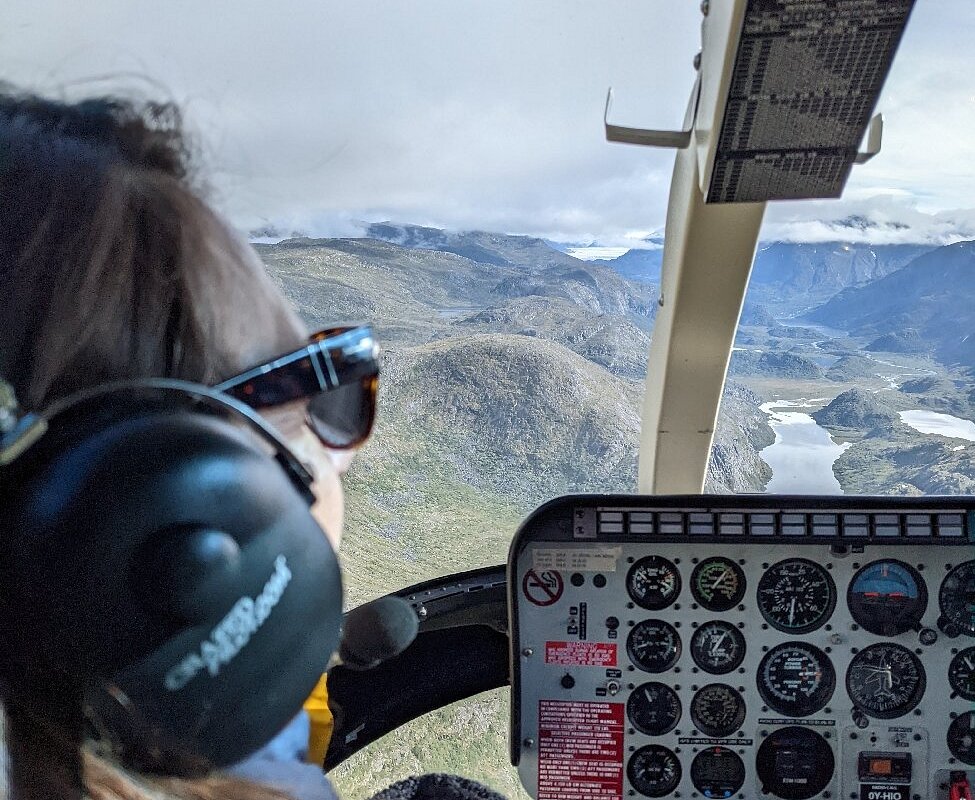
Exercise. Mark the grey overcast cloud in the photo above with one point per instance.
(315, 116)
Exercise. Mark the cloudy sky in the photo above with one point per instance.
(312, 116)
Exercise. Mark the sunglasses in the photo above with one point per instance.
(337, 371)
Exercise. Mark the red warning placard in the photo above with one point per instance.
(580, 654)
(580, 750)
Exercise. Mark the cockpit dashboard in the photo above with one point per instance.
(740, 647)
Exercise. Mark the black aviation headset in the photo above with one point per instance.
(159, 560)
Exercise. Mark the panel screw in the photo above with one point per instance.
(529, 743)
(705, 7)
(528, 652)
(697, 61)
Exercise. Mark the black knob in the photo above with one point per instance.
(567, 681)
(928, 636)
(612, 623)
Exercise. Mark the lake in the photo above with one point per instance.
(802, 456)
(940, 424)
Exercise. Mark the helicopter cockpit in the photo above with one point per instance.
(671, 642)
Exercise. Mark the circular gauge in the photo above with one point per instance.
(887, 597)
(961, 737)
(718, 584)
(794, 763)
(654, 771)
(957, 600)
(885, 680)
(796, 595)
(653, 582)
(961, 674)
(717, 772)
(796, 679)
(653, 645)
(717, 710)
(653, 709)
(718, 647)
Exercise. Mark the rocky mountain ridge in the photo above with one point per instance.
(931, 301)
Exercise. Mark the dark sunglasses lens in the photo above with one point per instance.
(342, 417)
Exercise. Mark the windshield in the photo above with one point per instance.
(440, 170)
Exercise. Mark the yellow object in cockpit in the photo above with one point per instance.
(322, 722)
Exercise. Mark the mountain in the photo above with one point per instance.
(906, 341)
(511, 375)
(530, 266)
(790, 276)
(742, 432)
(480, 246)
(852, 368)
(909, 464)
(413, 295)
(641, 265)
(753, 313)
(612, 342)
(859, 412)
(778, 365)
(933, 298)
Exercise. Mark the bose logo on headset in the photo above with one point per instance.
(233, 632)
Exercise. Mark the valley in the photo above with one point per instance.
(513, 372)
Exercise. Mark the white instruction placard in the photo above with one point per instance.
(588, 559)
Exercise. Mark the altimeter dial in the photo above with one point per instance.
(885, 680)
(961, 737)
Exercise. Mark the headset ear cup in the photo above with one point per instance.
(174, 561)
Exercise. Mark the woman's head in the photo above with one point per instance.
(113, 267)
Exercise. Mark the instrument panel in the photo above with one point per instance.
(739, 647)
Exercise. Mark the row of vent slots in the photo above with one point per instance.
(839, 521)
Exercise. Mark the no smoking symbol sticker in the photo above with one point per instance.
(542, 588)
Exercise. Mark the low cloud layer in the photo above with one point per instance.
(315, 116)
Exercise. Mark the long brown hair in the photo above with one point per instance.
(112, 267)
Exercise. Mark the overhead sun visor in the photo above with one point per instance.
(806, 78)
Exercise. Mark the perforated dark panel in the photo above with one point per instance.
(806, 80)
